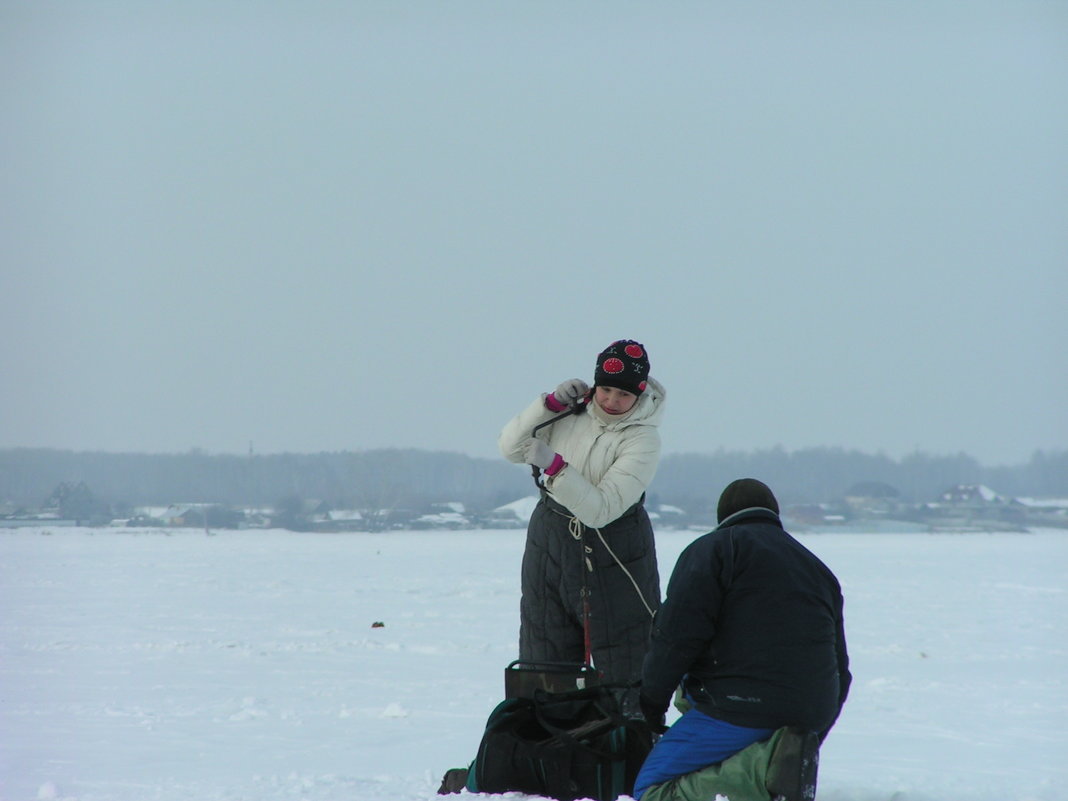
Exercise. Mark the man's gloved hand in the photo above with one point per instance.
(571, 391)
(653, 714)
(538, 454)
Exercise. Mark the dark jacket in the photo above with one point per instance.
(754, 621)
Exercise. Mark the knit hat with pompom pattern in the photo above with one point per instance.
(624, 365)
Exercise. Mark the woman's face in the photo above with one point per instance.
(615, 401)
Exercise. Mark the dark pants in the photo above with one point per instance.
(553, 575)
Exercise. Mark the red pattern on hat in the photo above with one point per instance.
(612, 365)
(634, 351)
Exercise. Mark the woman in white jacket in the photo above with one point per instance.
(589, 538)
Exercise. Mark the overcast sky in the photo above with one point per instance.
(322, 226)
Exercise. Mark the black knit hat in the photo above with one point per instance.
(745, 493)
(624, 365)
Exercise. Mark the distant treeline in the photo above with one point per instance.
(826, 475)
(394, 479)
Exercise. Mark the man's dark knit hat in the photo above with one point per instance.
(624, 365)
(745, 493)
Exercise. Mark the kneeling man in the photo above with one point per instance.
(752, 630)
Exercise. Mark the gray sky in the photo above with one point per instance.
(339, 226)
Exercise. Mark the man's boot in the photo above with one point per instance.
(793, 766)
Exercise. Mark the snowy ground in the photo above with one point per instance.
(139, 664)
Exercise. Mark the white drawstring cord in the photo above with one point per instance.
(574, 527)
(637, 589)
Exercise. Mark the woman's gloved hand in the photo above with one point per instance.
(568, 393)
(539, 454)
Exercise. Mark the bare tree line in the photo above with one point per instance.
(412, 478)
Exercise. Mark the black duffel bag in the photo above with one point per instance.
(566, 746)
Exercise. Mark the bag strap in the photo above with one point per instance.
(608, 720)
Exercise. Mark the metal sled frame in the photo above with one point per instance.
(521, 678)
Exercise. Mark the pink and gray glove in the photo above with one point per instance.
(566, 395)
(539, 454)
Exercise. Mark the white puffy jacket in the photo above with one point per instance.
(610, 461)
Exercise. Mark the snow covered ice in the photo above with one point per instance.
(144, 664)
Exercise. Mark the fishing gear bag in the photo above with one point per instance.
(565, 745)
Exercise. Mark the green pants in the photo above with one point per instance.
(741, 777)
